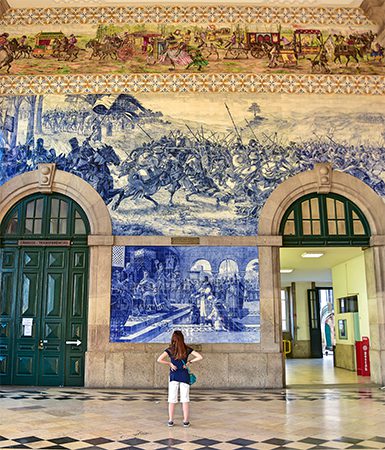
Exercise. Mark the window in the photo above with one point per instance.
(320, 219)
(285, 309)
(348, 304)
(45, 216)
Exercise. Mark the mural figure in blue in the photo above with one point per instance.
(161, 176)
(212, 293)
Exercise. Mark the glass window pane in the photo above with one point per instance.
(306, 210)
(341, 227)
(63, 209)
(30, 211)
(340, 210)
(358, 228)
(332, 227)
(331, 213)
(39, 208)
(53, 226)
(317, 227)
(306, 225)
(315, 208)
(63, 226)
(354, 215)
(80, 227)
(12, 224)
(37, 229)
(28, 226)
(55, 207)
(291, 215)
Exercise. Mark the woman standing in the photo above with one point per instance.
(178, 353)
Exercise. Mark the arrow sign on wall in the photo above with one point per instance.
(77, 342)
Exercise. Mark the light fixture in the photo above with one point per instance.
(286, 270)
(312, 255)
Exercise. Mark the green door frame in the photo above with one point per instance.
(43, 298)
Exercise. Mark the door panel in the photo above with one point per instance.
(314, 323)
(77, 317)
(42, 305)
(53, 317)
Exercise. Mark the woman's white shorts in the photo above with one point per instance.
(173, 387)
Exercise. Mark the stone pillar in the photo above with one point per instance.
(270, 305)
(375, 279)
(98, 310)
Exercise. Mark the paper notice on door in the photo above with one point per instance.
(27, 321)
(27, 330)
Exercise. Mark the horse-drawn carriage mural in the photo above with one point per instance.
(157, 48)
(46, 44)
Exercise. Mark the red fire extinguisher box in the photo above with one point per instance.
(362, 357)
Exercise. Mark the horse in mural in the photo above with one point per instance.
(104, 50)
(63, 50)
(171, 175)
(20, 51)
(6, 59)
(348, 51)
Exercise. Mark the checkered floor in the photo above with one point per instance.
(77, 419)
(66, 442)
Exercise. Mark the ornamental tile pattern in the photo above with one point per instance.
(215, 14)
(190, 83)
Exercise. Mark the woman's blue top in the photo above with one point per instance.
(180, 374)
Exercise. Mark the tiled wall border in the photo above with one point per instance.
(182, 14)
(193, 83)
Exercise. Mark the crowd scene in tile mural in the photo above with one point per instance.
(167, 175)
(210, 48)
(210, 293)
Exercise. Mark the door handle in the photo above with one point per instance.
(41, 344)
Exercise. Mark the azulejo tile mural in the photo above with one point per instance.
(164, 168)
(211, 293)
(209, 39)
(185, 14)
(193, 83)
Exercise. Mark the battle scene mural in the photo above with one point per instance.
(197, 47)
(211, 293)
(192, 164)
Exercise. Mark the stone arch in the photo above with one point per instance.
(46, 180)
(100, 240)
(322, 179)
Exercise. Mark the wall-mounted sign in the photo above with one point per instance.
(185, 240)
(44, 243)
(27, 323)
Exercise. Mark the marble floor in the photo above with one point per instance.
(307, 415)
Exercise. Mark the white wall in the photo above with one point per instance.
(349, 278)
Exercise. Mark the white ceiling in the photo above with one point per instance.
(81, 3)
(319, 269)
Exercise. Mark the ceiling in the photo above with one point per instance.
(317, 269)
(81, 3)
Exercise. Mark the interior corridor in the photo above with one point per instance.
(320, 371)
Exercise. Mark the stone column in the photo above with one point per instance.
(270, 306)
(98, 310)
(375, 279)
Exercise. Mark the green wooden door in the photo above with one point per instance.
(43, 311)
(314, 323)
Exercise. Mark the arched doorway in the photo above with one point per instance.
(328, 223)
(44, 279)
(322, 180)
